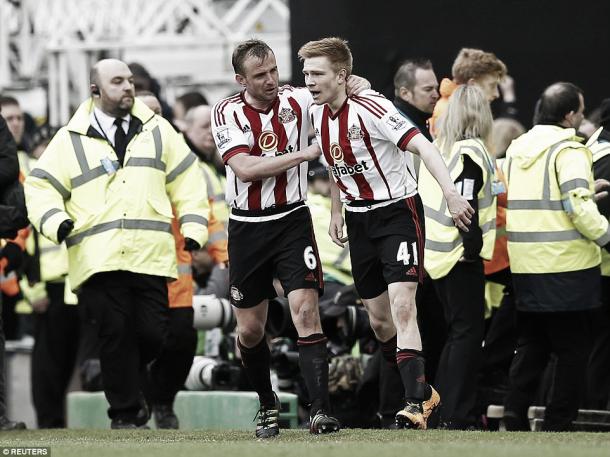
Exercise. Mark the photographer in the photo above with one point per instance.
(10, 254)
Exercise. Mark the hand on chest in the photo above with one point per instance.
(273, 134)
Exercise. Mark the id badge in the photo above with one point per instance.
(497, 188)
(108, 166)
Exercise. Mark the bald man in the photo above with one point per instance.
(106, 185)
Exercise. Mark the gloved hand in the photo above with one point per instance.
(191, 245)
(13, 255)
(64, 229)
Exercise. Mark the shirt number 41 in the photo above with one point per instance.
(403, 255)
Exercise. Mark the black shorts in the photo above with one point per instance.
(284, 248)
(386, 245)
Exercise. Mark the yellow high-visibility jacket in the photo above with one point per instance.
(336, 263)
(552, 221)
(600, 149)
(122, 219)
(444, 245)
(53, 258)
(216, 184)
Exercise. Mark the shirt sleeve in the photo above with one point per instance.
(575, 178)
(48, 186)
(184, 187)
(601, 169)
(229, 137)
(383, 120)
(303, 96)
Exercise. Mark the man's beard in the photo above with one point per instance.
(124, 106)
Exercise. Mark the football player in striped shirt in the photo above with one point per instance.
(261, 134)
(365, 142)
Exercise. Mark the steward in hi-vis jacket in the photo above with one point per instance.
(555, 232)
(106, 184)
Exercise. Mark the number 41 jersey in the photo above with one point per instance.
(282, 128)
(364, 143)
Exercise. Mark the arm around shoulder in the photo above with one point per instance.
(253, 168)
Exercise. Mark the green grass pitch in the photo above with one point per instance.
(299, 443)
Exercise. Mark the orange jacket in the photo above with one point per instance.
(445, 90)
(9, 285)
(180, 291)
(499, 261)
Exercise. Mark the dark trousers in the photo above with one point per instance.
(540, 334)
(501, 337)
(432, 327)
(10, 318)
(2, 366)
(598, 373)
(130, 310)
(462, 292)
(56, 334)
(167, 374)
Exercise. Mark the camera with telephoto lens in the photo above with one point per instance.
(344, 316)
(212, 312)
(207, 373)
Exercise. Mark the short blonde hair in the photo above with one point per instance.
(475, 63)
(468, 116)
(335, 49)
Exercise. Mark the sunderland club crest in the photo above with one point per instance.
(286, 115)
(354, 133)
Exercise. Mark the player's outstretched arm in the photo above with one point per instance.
(252, 168)
(458, 206)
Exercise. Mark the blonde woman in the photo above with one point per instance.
(454, 257)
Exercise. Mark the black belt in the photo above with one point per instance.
(271, 211)
(363, 203)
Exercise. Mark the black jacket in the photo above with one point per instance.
(9, 164)
(13, 213)
(418, 117)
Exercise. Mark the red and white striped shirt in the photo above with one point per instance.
(363, 144)
(281, 129)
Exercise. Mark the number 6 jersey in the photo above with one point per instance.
(280, 129)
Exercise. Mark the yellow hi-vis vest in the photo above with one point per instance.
(552, 221)
(600, 149)
(122, 215)
(53, 258)
(215, 184)
(335, 260)
(443, 240)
